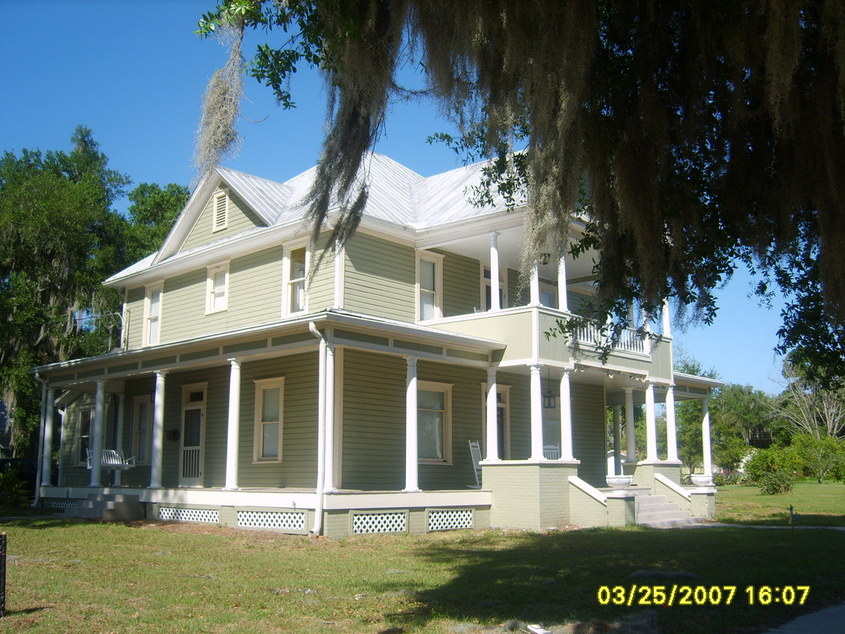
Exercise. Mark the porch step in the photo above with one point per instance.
(654, 511)
(111, 507)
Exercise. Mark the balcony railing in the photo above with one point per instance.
(590, 334)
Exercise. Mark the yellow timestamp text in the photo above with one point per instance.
(681, 594)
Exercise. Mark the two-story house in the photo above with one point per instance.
(255, 390)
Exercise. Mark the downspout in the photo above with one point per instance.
(321, 432)
(37, 499)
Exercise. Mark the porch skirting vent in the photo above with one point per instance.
(173, 514)
(396, 522)
(449, 519)
(283, 520)
(64, 504)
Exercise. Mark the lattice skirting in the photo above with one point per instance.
(390, 522)
(175, 514)
(281, 520)
(449, 519)
(63, 504)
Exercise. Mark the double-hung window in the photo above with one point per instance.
(429, 286)
(269, 400)
(217, 288)
(434, 422)
(487, 283)
(152, 314)
(295, 276)
(86, 416)
(142, 426)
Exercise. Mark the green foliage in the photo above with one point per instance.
(772, 460)
(12, 490)
(152, 213)
(775, 482)
(821, 458)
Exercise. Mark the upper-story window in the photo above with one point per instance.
(220, 213)
(548, 294)
(295, 274)
(217, 288)
(429, 286)
(152, 314)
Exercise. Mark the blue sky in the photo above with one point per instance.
(134, 72)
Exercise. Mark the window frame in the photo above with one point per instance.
(446, 390)
(140, 458)
(211, 272)
(149, 290)
(216, 224)
(288, 281)
(81, 453)
(437, 260)
(258, 434)
(487, 282)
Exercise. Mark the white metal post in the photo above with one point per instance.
(233, 426)
(566, 452)
(411, 450)
(491, 451)
(158, 431)
(536, 414)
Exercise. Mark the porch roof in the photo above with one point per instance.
(285, 336)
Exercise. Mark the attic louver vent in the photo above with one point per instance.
(221, 211)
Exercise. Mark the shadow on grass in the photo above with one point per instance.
(554, 578)
(781, 519)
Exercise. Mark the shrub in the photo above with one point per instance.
(821, 458)
(12, 489)
(773, 459)
(775, 482)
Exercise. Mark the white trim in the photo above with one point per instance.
(437, 260)
(594, 493)
(504, 404)
(287, 281)
(187, 404)
(219, 223)
(446, 390)
(149, 289)
(258, 435)
(210, 297)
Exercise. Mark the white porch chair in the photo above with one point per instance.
(475, 454)
(551, 452)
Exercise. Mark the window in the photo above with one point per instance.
(434, 422)
(86, 416)
(152, 315)
(548, 295)
(430, 286)
(220, 217)
(217, 289)
(142, 426)
(268, 420)
(295, 274)
(486, 284)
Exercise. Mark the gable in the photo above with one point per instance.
(230, 211)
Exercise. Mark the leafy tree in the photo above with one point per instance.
(807, 407)
(821, 458)
(695, 135)
(59, 238)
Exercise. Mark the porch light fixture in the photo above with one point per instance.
(549, 397)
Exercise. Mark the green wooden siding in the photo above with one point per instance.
(589, 432)
(321, 290)
(134, 317)
(379, 277)
(520, 413)
(241, 218)
(461, 284)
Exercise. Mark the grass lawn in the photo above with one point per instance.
(816, 504)
(149, 576)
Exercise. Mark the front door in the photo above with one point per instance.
(191, 436)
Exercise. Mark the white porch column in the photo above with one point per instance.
(535, 286)
(329, 484)
(494, 271)
(491, 451)
(536, 413)
(118, 433)
(233, 427)
(671, 429)
(617, 440)
(562, 299)
(565, 417)
(705, 435)
(47, 449)
(629, 425)
(667, 319)
(97, 434)
(158, 431)
(650, 424)
(411, 451)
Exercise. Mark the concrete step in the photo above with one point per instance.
(654, 511)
